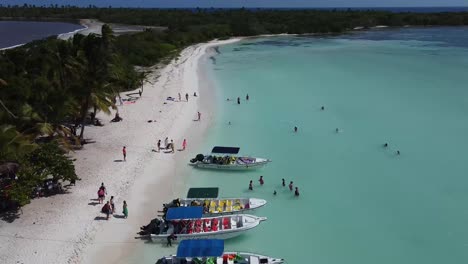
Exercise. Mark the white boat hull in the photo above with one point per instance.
(260, 162)
(247, 258)
(248, 222)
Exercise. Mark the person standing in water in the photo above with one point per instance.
(322, 108)
(296, 192)
(385, 145)
(251, 186)
(238, 100)
(125, 209)
(261, 180)
(291, 186)
(398, 152)
(284, 183)
(274, 192)
(124, 153)
(184, 144)
(247, 97)
(295, 129)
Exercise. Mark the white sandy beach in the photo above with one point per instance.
(69, 228)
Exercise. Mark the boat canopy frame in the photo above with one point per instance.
(191, 212)
(225, 150)
(207, 192)
(199, 248)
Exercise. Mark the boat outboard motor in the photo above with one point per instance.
(199, 157)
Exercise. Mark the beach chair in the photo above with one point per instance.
(221, 206)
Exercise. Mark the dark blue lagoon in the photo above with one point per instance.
(14, 33)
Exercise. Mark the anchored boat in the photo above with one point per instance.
(219, 206)
(224, 158)
(211, 251)
(189, 223)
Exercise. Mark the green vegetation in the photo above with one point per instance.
(48, 88)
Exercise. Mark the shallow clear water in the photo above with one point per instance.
(19, 32)
(360, 202)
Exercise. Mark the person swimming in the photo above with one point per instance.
(385, 145)
(322, 108)
(398, 152)
(291, 186)
(274, 193)
(337, 130)
(296, 192)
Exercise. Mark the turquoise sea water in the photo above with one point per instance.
(360, 202)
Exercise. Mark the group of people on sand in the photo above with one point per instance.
(109, 206)
(283, 183)
(169, 145)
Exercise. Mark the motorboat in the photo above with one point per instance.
(226, 158)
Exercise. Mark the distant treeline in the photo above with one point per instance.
(242, 22)
(50, 90)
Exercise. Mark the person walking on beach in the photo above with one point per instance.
(199, 116)
(159, 145)
(284, 183)
(125, 209)
(296, 192)
(124, 153)
(291, 186)
(238, 100)
(261, 180)
(184, 144)
(172, 146)
(247, 97)
(166, 142)
(112, 205)
(139, 92)
(106, 209)
(186, 97)
(180, 98)
(102, 192)
(101, 195)
(251, 186)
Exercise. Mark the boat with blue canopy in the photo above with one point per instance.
(189, 223)
(226, 158)
(211, 251)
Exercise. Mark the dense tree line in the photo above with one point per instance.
(51, 89)
(245, 22)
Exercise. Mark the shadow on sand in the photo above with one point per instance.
(11, 215)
